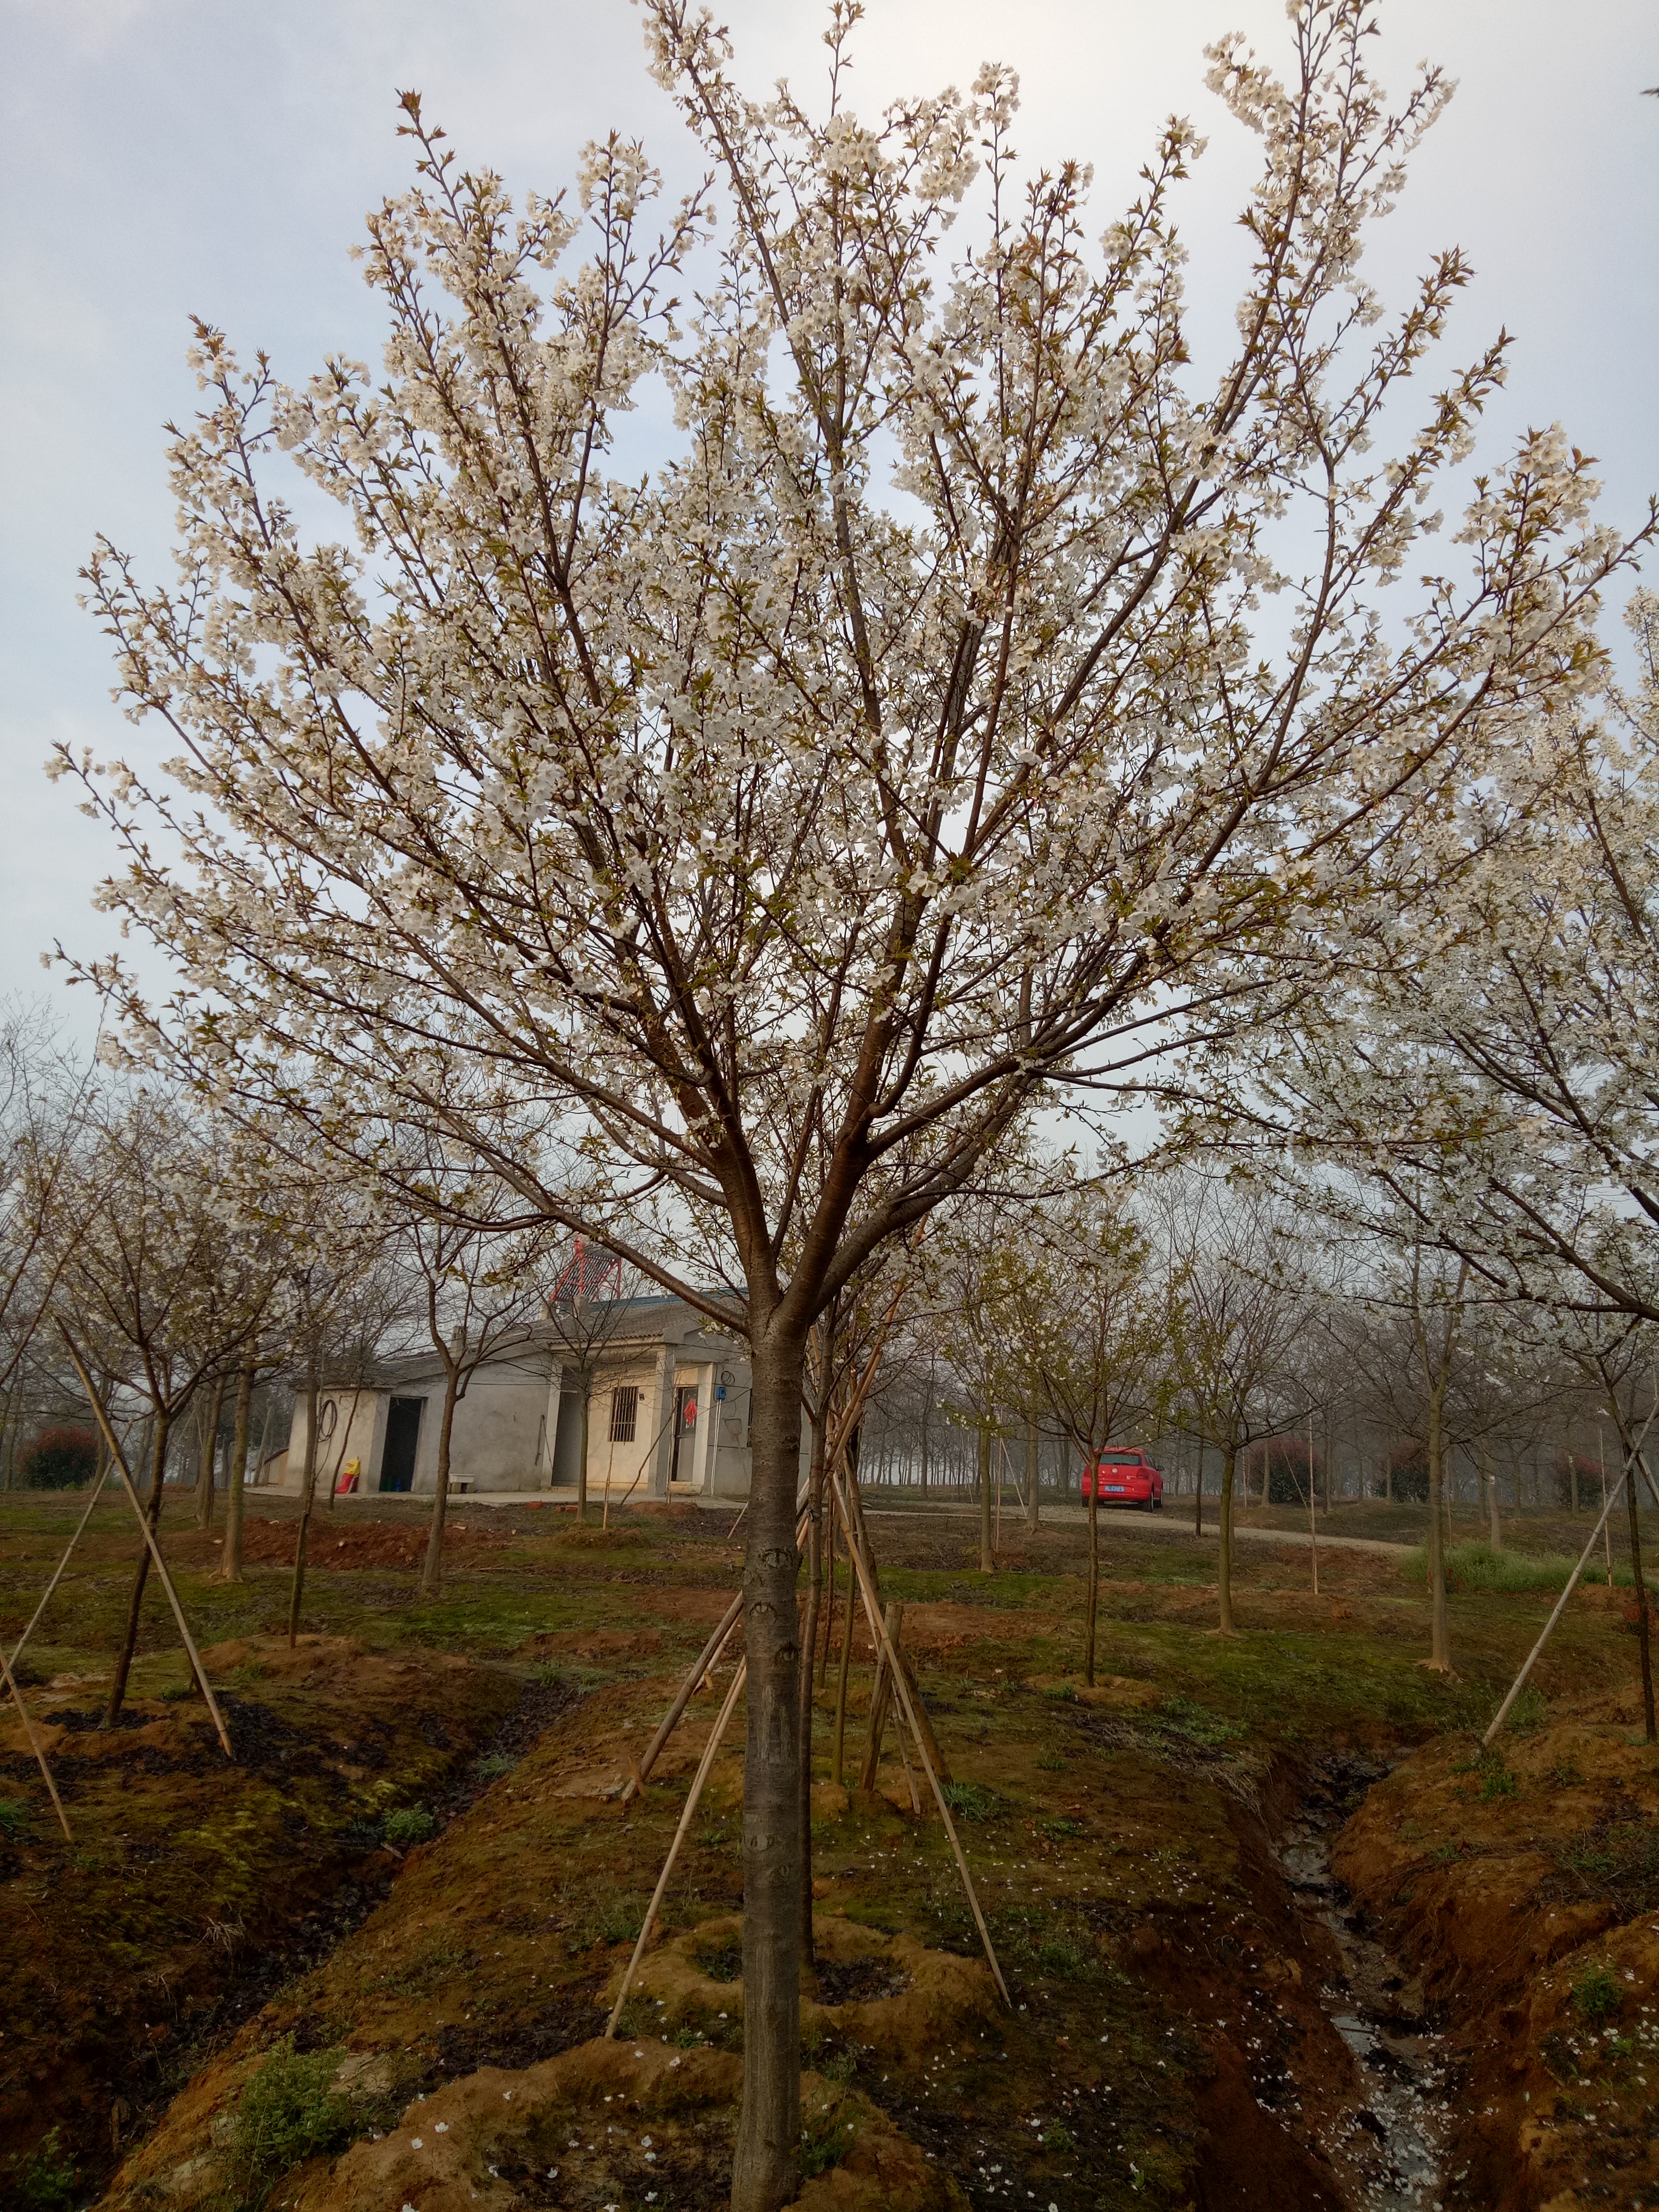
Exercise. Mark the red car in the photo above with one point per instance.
(1126, 1478)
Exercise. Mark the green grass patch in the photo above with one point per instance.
(409, 1826)
(41, 2180)
(1476, 1566)
(1597, 1995)
(972, 1801)
(288, 2112)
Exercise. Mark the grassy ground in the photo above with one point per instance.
(1167, 2045)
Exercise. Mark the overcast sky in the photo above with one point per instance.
(166, 158)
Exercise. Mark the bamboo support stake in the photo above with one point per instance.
(901, 1683)
(707, 1658)
(159, 1563)
(35, 1745)
(80, 1529)
(1501, 1713)
(881, 1696)
(695, 1792)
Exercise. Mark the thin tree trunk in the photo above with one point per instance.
(1440, 1631)
(1094, 1570)
(161, 1430)
(838, 1743)
(1640, 1587)
(308, 1493)
(581, 1464)
(1198, 1493)
(1225, 1623)
(809, 1644)
(829, 1611)
(1489, 1477)
(766, 2165)
(987, 1555)
(230, 1566)
(208, 1435)
(1032, 1521)
(432, 1572)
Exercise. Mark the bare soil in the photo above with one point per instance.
(1175, 2038)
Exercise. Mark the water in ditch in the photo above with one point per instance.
(1389, 2146)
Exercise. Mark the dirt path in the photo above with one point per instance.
(1166, 1526)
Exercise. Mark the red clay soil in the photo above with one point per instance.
(1180, 2040)
(179, 1888)
(1523, 1885)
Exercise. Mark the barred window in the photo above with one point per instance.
(625, 1413)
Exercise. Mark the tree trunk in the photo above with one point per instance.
(432, 1572)
(766, 2166)
(1642, 1635)
(581, 1464)
(308, 1493)
(118, 1689)
(1225, 1575)
(809, 1644)
(838, 1750)
(207, 1439)
(1094, 1570)
(1198, 1493)
(1489, 1477)
(1032, 1522)
(230, 1566)
(987, 1556)
(1440, 1633)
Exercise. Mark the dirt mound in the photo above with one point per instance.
(889, 1993)
(609, 2122)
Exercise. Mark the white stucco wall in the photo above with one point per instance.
(518, 1426)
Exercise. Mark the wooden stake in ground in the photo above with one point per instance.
(874, 1615)
(880, 1697)
(35, 1745)
(120, 1459)
(707, 1658)
(80, 1526)
(1501, 1714)
(692, 1796)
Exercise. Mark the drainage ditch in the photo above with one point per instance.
(1389, 2148)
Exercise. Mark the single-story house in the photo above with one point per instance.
(668, 1416)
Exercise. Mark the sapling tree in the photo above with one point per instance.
(479, 1290)
(795, 814)
(1092, 1333)
(43, 1099)
(160, 1277)
(1238, 1310)
(588, 1303)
